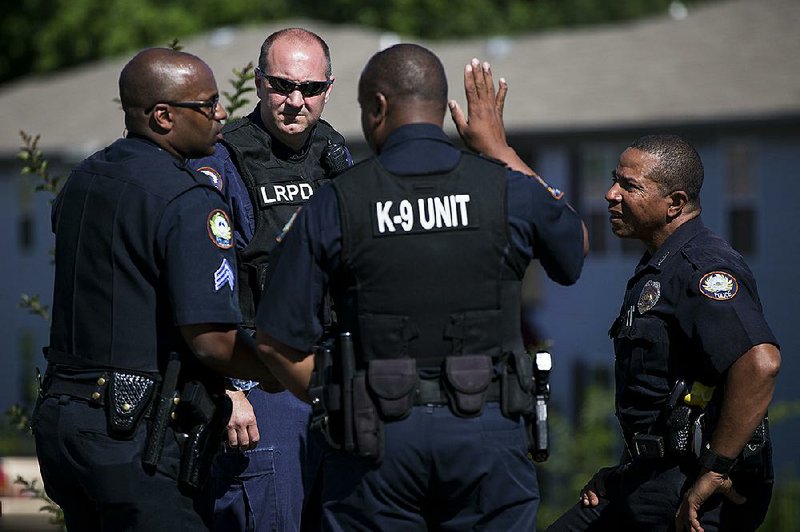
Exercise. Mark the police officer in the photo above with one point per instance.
(145, 306)
(269, 163)
(690, 339)
(423, 248)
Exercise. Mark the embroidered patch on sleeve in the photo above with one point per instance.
(219, 229)
(213, 176)
(224, 276)
(719, 286)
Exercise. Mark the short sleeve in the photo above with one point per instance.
(722, 315)
(300, 268)
(222, 173)
(545, 227)
(196, 240)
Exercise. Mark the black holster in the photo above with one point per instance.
(203, 416)
(343, 410)
(325, 394)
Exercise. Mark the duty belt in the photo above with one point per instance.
(127, 400)
(431, 391)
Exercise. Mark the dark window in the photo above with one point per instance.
(599, 231)
(742, 227)
(741, 187)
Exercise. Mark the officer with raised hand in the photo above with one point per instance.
(695, 363)
(268, 163)
(423, 248)
(145, 307)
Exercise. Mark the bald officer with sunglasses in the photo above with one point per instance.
(268, 164)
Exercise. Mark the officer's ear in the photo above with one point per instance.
(379, 107)
(161, 118)
(677, 202)
(329, 89)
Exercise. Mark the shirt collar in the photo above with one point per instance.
(671, 246)
(421, 131)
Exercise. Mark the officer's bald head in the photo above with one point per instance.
(407, 74)
(156, 75)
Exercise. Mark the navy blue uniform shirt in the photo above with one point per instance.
(143, 245)
(541, 225)
(690, 311)
(224, 175)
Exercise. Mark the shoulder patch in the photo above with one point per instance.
(213, 176)
(219, 229)
(719, 286)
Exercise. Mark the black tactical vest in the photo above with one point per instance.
(428, 267)
(115, 313)
(277, 186)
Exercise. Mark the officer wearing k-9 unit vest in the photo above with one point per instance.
(423, 248)
(695, 364)
(145, 309)
(269, 163)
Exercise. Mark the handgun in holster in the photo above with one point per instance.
(325, 393)
(346, 414)
(203, 415)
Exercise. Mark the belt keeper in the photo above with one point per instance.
(97, 395)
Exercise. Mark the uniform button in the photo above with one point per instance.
(101, 381)
(96, 396)
(174, 416)
(176, 400)
(315, 401)
(126, 407)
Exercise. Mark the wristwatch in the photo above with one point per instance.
(716, 462)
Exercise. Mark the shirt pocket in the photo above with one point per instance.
(642, 349)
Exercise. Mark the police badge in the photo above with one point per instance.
(649, 296)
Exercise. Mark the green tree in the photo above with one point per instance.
(40, 36)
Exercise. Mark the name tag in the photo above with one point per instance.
(421, 215)
(288, 193)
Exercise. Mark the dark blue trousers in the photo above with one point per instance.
(264, 489)
(439, 472)
(99, 481)
(646, 495)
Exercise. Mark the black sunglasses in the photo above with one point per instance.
(286, 86)
(210, 104)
